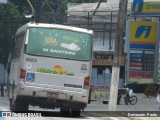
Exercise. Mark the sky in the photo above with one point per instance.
(114, 1)
(3, 1)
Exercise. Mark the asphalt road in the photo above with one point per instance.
(99, 111)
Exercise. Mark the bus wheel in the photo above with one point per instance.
(65, 112)
(75, 112)
(21, 104)
(11, 100)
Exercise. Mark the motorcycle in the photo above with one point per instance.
(130, 97)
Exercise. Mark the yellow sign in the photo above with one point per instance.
(140, 81)
(100, 93)
(148, 9)
(143, 35)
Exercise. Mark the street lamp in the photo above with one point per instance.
(27, 14)
(35, 16)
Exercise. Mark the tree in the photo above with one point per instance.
(47, 11)
(12, 16)
(9, 12)
(9, 17)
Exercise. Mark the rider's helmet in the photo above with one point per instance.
(126, 88)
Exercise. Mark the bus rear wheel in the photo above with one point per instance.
(65, 112)
(21, 104)
(75, 112)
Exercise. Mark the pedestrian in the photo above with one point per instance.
(119, 96)
(158, 97)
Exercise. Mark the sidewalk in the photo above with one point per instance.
(144, 105)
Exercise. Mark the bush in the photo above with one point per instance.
(151, 90)
(137, 88)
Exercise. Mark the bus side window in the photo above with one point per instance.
(18, 46)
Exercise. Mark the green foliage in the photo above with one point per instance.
(9, 16)
(151, 90)
(48, 11)
(64, 5)
(9, 19)
(9, 12)
(21, 5)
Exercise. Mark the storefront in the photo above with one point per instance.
(102, 73)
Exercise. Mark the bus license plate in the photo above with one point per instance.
(52, 94)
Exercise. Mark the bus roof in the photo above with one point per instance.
(44, 25)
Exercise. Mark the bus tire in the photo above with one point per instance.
(11, 100)
(65, 112)
(75, 112)
(21, 104)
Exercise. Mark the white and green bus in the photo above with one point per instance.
(51, 68)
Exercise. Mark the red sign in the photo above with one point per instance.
(135, 63)
(140, 74)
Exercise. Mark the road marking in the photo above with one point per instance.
(113, 118)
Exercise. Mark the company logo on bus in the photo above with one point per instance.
(56, 70)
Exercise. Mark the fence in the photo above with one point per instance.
(104, 24)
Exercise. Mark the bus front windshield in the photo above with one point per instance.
(59, 43)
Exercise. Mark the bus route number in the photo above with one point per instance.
(31, 60)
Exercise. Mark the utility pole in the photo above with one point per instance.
(117, 55)
(37, 4)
